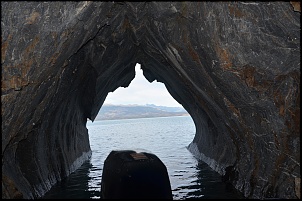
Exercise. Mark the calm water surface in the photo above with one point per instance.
(166, 137)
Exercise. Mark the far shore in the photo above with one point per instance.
(105, 119)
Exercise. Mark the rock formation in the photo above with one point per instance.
(234, 66)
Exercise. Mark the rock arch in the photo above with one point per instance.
(233, 66)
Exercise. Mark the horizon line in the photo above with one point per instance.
(147, 104)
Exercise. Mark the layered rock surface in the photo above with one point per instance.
(234, 66)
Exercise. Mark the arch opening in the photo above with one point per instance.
(145, 106)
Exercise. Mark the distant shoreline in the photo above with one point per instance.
(184, 115)
(114, 112)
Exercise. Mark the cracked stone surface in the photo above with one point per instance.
(234, 66)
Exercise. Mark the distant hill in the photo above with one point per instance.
(168, 109)
(109, 112)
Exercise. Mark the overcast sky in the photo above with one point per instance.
(141, 92)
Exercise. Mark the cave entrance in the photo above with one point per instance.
(144, 117)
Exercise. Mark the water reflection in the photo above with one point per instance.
(209, 185)
(75, 186)
(165, 137)
(205, 184)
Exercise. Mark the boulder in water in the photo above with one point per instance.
(129, 174)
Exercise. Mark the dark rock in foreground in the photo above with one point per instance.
(135, 175)
(234, 66)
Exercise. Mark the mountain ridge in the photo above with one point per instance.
(111, 111)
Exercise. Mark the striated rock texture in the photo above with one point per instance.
(234, 66)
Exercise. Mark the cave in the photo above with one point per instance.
(234, 66)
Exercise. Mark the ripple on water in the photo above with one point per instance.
(189, 178)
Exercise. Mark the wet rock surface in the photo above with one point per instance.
(235, 67)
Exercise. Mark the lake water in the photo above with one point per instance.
(166, 137)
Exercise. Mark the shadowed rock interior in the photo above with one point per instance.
(234, 66)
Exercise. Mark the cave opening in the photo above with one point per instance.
(166, 137)
(61, 60)
(144, 117)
